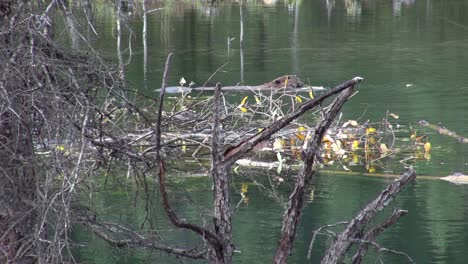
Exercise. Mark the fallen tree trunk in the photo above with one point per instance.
(287, 83)
(342, 243)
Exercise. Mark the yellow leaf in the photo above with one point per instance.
(353, 123)
(311, 94)
(301, 129)
(371, 169)
(370, 130)
(300, 136)
(355, 144)
(286, 82)
(184, 147)
(257, 100)
(60, 148)
(427, 147)
(298, 99)
(244, 100)
(243, 109)
(383, 148)
(244, 188)
(394, 115)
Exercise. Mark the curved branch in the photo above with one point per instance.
(340, 246)
(205, 233)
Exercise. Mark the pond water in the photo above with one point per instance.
(413, 56)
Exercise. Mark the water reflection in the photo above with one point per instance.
(397, 5)
(353, 8)
(314, 39)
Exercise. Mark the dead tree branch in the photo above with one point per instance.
(374, 232)
(319, 232)
(341, 245)
(220, 173)
(234, 153)
(207, 235)
(296, 199)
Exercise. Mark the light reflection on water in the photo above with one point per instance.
(414, 60)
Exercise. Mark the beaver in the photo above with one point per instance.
(287, 81)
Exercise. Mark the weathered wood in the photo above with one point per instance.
(213, 241)
(340, 246)
(287, 83)
(296, 199)
(374, 232)
(222, 209)
(444, 131)
(234, 153)
(157, 129)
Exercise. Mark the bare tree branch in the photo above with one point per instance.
(296, 199)
(234, 153)
(374, 232)
(340, 246)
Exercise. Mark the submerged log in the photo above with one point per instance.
(444, 131)
(287, 83)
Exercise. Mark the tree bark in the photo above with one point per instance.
(340, 246)
(296, 199)
(222, 209)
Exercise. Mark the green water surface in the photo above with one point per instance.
(413, 55)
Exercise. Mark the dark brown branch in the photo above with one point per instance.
(121, 236)
(341, 245)
(296, 199)
(160, 107)
(374, 232)
(221, 205)
(215, 142)
(381, 249)
(205, 233)
(234, 153)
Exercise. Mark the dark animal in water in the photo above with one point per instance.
(287, 82)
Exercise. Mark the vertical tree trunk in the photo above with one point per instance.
(220, 173)
(222, 216)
